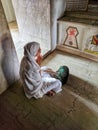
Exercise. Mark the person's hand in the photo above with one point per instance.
(51, 72)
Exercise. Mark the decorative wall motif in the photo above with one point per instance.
(71, 38)
(95, 40)
(92, 45)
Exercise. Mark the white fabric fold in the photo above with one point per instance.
(36, 84)
(29, 71)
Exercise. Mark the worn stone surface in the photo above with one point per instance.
(76, 5)
(93, 7)
(9, 65)
(66, 111)
(82, 68)
(85, 15)
(75, 108)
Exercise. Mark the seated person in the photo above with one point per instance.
(37, 81)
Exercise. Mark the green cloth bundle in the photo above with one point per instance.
(62, 74)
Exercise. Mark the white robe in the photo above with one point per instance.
(51, 83)
(35, 81)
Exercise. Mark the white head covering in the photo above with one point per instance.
(29, 70)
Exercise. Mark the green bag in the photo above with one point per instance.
(62, 74)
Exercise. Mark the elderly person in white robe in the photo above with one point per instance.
(37, 81)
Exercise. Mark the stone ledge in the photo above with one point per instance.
(77, 52)
(83, 14)
(78, 20)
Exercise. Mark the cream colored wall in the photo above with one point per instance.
(80, 68)
(85, 32)
(33, 19)
(8, 9)
(9, 65)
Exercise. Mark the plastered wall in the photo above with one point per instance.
(9, 65)
(33, 19)
(37, 20)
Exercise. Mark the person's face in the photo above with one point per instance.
(39, 57)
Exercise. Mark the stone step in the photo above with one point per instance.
(93, 7)
(88, 21)
(83, 15)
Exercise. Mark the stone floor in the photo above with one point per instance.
(75, 108)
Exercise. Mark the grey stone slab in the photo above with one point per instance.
(66, 110)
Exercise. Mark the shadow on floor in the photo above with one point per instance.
(68, 110)
(83, 88)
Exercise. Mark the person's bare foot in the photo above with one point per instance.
(50, 93)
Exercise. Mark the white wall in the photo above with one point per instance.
(37, 20)
(8, 9)
(33, 19)
(9, 64)
(56, 11)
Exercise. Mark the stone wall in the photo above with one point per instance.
(9, 65)
(33, 18)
